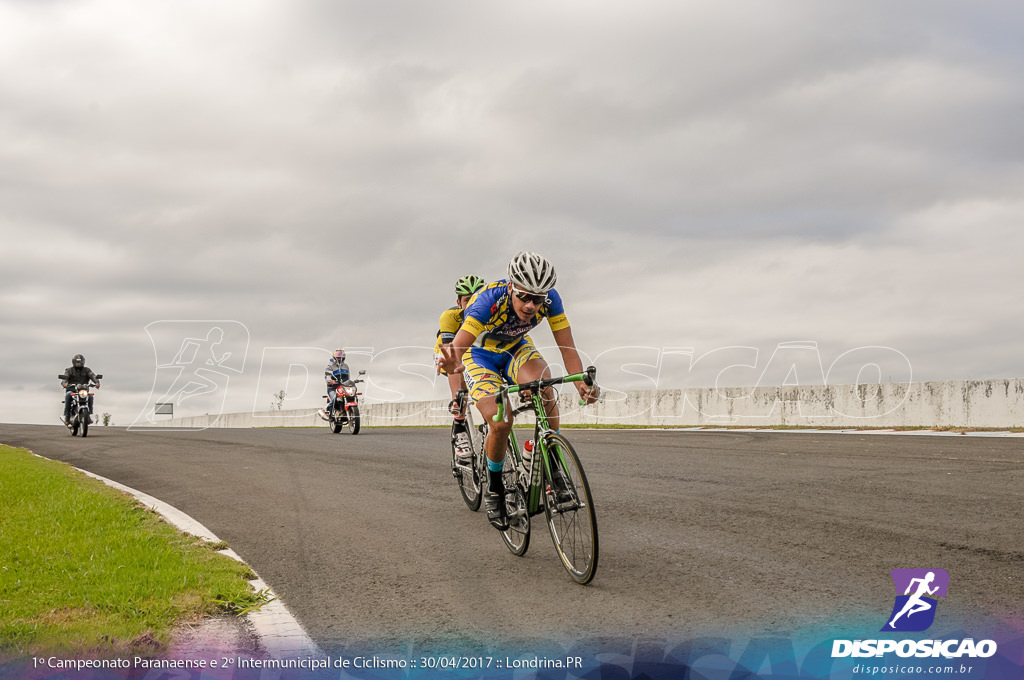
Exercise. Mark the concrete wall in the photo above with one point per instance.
(296, 418)
(973, 403)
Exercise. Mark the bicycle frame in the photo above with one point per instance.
(538, 474)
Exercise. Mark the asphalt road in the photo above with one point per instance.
(367, 541)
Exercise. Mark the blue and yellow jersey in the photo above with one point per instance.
(447, 326)
(490, 316)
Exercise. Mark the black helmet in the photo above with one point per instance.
(78, 361)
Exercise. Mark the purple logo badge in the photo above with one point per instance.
(917, 591)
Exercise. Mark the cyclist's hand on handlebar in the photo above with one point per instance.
(454, 409)
(588, 394)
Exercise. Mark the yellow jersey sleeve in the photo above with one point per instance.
(448, 325)
(559, 322)
(473, 326)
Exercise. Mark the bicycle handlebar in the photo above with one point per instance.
(588, 377)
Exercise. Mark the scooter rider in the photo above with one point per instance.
(335, 374)
(76, 374)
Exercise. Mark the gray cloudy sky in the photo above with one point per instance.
(703, 174)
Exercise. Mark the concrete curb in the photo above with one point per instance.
(277, 630)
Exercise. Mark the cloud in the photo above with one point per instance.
(702, 174)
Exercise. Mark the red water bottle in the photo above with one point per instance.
(528, 453)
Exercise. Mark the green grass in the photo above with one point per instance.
(85, 568)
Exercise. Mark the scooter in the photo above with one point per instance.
(80, 417)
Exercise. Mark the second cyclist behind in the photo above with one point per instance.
(448, 325)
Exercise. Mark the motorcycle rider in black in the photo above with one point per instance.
(76, 374)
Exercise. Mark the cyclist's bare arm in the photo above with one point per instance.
(572, 363)
(451, 354)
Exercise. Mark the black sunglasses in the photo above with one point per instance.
(529, 297)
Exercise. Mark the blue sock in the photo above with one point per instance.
(495, 467)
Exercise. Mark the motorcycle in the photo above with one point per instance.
(80, 416)
(346, 407)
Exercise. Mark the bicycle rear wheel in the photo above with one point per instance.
(570, 513)
(517, 536)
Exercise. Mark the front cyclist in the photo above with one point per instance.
(503, 313)
(448, 325)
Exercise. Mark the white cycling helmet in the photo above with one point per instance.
(531, 272)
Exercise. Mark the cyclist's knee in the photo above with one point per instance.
(500, 429)
(533, 369)
(487, 408)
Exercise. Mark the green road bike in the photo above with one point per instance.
(552, 481)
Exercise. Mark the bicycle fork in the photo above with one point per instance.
(555, 469)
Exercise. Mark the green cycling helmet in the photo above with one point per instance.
(468, 285)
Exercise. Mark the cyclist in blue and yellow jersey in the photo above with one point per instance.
(448, 325)
(500, 316)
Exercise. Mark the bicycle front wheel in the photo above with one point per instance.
(569, 509)
(469, 477)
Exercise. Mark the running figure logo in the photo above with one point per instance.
(195, 361)
(914, 609)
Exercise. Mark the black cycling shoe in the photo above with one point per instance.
(497, 515)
